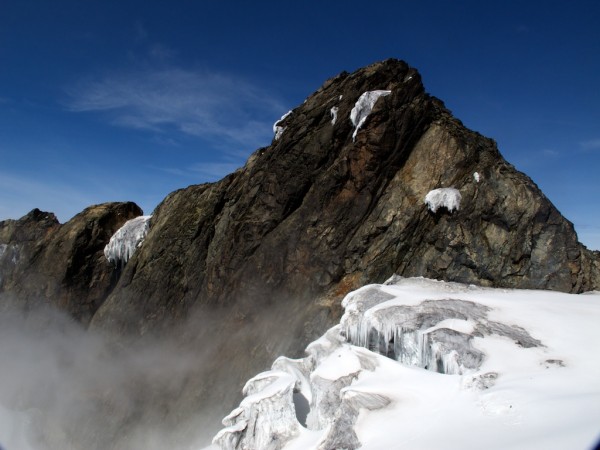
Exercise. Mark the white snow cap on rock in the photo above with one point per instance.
(476, 177)
(448, 198)
(277, 129)
(363, 107)
(127, 239)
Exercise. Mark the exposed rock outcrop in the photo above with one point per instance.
(42, 261)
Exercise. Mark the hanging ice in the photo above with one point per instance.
(334, 112)
(278, 129)
(363, 107)
(266, 418)
(269, 416)
(127, 239)
(448, 198)
(434, 334)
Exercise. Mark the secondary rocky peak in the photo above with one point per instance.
(42, 261)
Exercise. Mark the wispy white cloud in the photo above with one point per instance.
(593, 144)
(550, 153)
(209, 171)
(193, 102)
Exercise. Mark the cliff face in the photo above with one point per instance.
(42, 261)
(324, 209)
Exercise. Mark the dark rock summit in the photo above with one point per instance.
(275, 245)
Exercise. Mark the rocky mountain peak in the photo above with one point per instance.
(335, 202)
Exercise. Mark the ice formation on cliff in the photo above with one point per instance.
(278, 129)
(448, 198)
(363, 107)
(127, 239)
(334, 112)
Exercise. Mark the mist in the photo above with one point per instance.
(64, 387)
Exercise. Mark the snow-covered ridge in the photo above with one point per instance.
(474, 364)
(448, 198)
(127, 239)
(363, 107)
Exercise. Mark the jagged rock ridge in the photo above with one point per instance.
(326, 208)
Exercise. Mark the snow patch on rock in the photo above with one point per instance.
(278, 129)
(363, 107)
(334, 113)
(476, 177)
(127, 239)
(448, 198)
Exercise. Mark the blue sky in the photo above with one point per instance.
(128, 100)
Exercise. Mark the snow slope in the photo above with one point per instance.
(466, 367)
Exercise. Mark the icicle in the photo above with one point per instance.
(127, 239)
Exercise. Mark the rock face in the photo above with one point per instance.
(318, 213)
(326, 208)
(42, 261)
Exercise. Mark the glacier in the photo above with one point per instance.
(419, 363)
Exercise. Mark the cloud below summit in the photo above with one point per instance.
(196, 103)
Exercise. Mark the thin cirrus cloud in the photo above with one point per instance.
(196, 103)
(593, 144)
(20, 194)
(207, 171)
